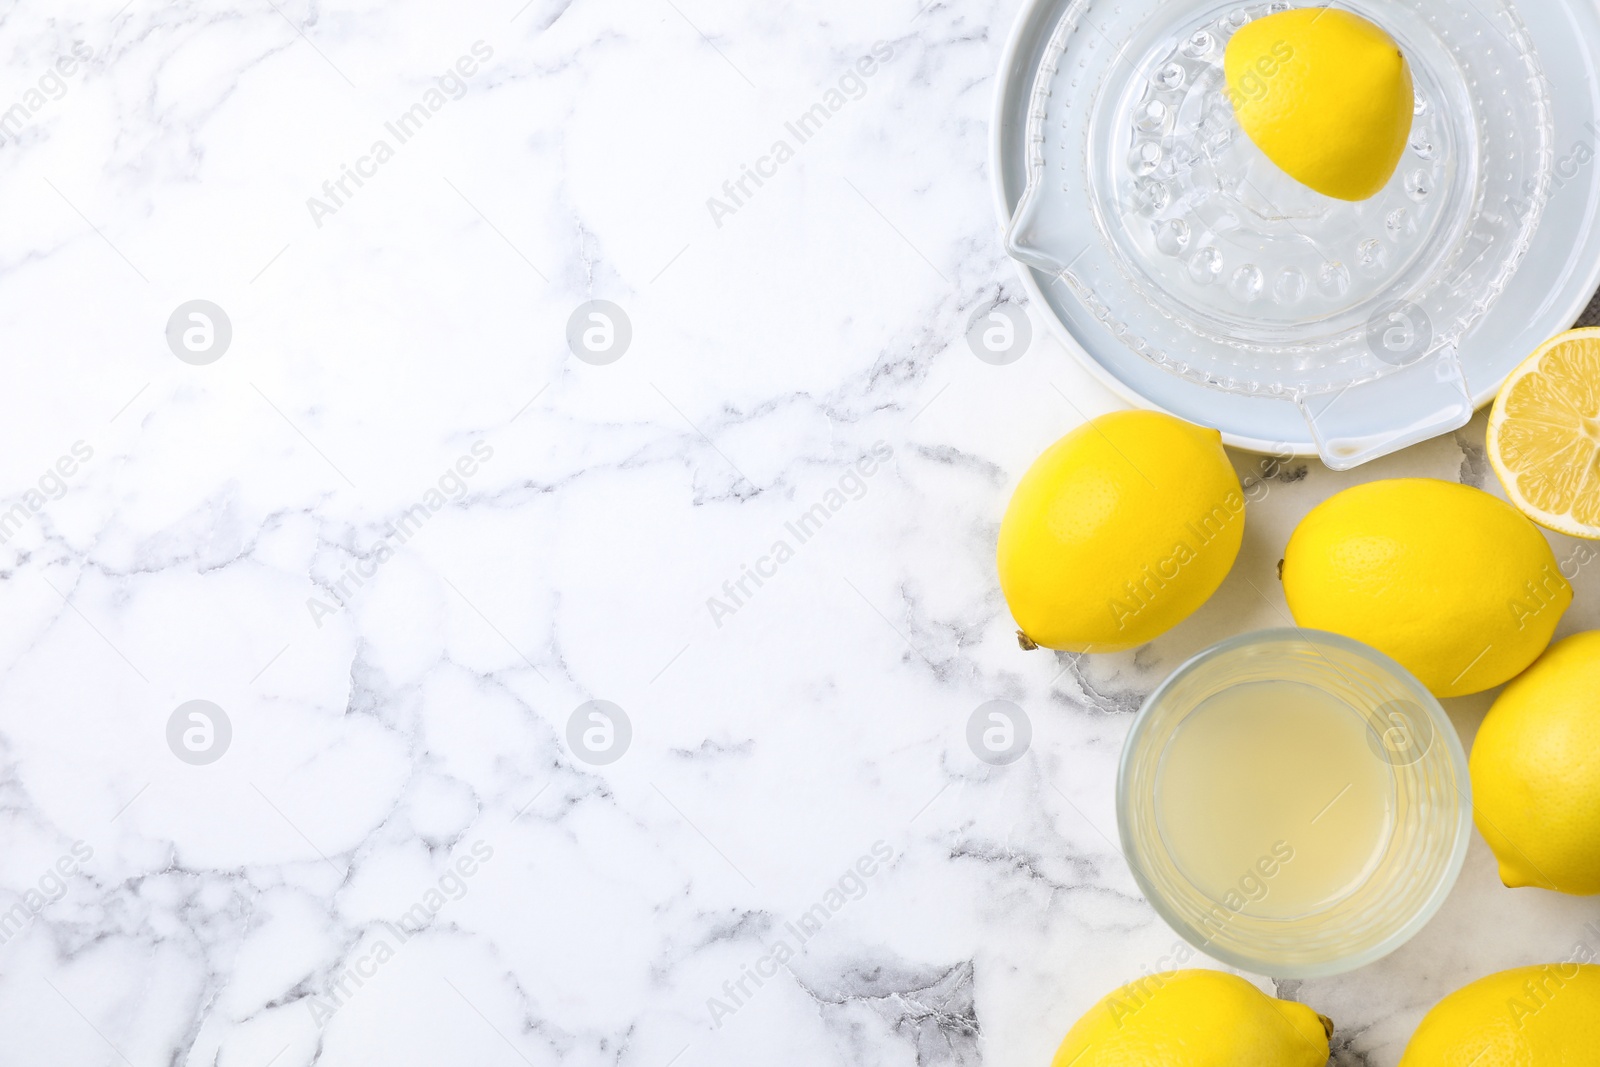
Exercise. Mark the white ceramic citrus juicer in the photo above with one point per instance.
(1147, 203)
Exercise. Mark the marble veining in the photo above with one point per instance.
(400, 662)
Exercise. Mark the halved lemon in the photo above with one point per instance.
(1544, 434)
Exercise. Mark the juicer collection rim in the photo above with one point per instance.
(1442, 727)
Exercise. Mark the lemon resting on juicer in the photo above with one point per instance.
(1326, 95)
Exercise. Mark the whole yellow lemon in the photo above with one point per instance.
(1536, 772)
(1455, 584)
(1526, 1017)
(1195, 1019)
(1119, 532)
(1326, 95)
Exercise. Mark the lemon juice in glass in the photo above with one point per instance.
(1294, 803)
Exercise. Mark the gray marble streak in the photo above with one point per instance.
(403, 856)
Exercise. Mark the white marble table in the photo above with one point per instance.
(397, 536)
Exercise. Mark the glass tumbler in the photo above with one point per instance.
(1231, 741)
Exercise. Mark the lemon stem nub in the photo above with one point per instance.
(1327, 1025)
(1028, 644)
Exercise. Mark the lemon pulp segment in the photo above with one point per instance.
(1544, 435)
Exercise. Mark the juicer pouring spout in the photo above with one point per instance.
(1417, 402)
(1043, 239)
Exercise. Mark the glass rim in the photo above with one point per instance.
(1436, 896)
